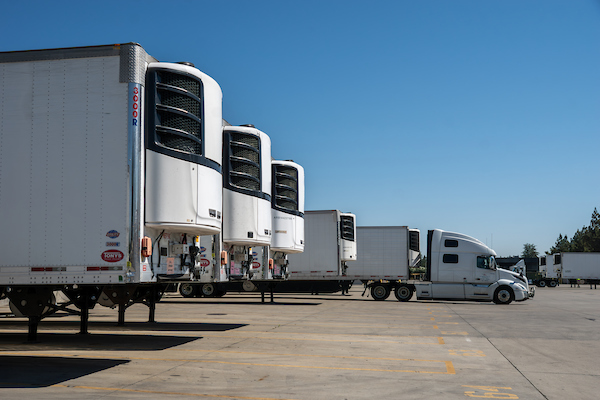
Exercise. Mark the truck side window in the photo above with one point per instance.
(483, 262)
(450, 258)
(451, 243)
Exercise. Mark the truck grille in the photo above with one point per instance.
(178, 112)
(347, 227)
(244, 160)
(285, 187)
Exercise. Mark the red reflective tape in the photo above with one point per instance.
(93, 268)
(37, 269)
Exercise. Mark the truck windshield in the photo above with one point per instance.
(486, 262)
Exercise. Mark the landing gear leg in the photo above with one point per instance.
(33, 326)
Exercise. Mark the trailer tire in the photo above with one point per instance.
(380, 291)
(552, 284)
(187, 290)
(208, 290)
(542, 283)
(504, 295)
(403, 292)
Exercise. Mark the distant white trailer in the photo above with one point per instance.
(329, 248)
(386, 252)
(574, 266)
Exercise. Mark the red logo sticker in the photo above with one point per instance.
(204, 262)
(112, 256)
(255, 264)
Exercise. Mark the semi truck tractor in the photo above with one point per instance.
(460, 267)
(110, 170)
(577, 267)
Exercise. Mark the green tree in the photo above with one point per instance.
(562, 245)
(586, 239)
(529, 251)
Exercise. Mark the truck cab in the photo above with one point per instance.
(460, 267)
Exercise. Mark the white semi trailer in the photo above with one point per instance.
(329, 252)
(110, 168)
(577, 266)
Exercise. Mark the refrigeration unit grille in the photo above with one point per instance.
(414, 244)
(183, 82)
(244, 161)
(178, 112)
(285, 187)
(347, 227)
(176, 100)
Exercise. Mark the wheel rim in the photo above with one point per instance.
(379, 291)
(186, 289)
(403, 292)
(504, 295)
(208, 290)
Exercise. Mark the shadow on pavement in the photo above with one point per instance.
(92, 341)
(35, 371)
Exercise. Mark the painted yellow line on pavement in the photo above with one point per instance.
(324, 340)
(303, 355)
(219, 396)
(448, 364)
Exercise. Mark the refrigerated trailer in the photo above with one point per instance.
(577, 266)
(329, 253)
(110, 168)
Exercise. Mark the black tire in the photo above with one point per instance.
(552, 284)
(380, 291)
(504, 295)
(542, 283)
(403, 292)
(208, 290)
(187, 289)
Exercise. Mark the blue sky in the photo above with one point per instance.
(476, 116)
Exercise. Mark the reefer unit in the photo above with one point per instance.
(105, 155)
(330, 243)
(247, 220)
(287, 206)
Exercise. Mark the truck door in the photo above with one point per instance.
(483, 276)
